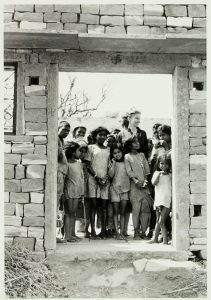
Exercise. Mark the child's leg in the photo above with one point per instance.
(115, 216)
(157, 227)
(123, 205)
(127, 217)
(145, 216)
(75, 203)
(104, 206)
(87, 208)
(164, 212)
(68, 209)
(110, 219)
(92, 215)
(136, 206)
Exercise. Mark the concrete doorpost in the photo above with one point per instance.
(180, 160)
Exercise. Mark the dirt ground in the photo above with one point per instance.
(90, 279)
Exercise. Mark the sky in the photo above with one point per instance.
(149, 93)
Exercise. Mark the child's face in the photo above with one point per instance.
(164, 136)
(83, 152)
(163, 166)
(101, 137)
(135, 144)
(117, 154)
(77, 153)
(110, 141)
(64, 131)
(80, 132)
(135, 120)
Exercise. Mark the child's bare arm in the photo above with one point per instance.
(155, 178)
(111, 168)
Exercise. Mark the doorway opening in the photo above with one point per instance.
(101, 99)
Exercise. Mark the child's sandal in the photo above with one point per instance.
(71, 240)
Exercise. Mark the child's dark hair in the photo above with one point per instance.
(95, 132)
(125, 122)
(166, 129)
(156, 125)
(63, 123)
(128, 144)
(70, 148)
(76, 128)
(112, 151)
(164, 157)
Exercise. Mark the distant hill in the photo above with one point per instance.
(114, 122)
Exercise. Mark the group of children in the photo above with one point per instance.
(112, 179)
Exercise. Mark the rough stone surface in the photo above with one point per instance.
(33, 221)
(23, 8)
(9, 209)
(12, 221)
(196, 10)
(35, 90)
(199, 22)
(140, 264)
(52, 17)
(8, 17)
(55, 26)
(36, 128)
(12, 158)
(35, 171)
(134, 20)
(43, 8)
(67, 8)
(198, 74)
(19, 197)
(9, 8)
(198, 162)
(35, 102)
(176, 10)
(10, 25)
(12, 185)
(18, 138)
(134, 9)
(155, 266)
(112, 9)
(89, 19)
(40, 140)
(197, 247)
(198, 106)
(112, 20)
(195, 142)
(6, 197)
(7, 148)
(81, 28)
(35, 115)
(37, 197)
(90, 9)
(40, 149)
(179, 21)
(96, 29)
(19, 210)
(37, 232)
(197, 175)
(32, 25)
(34, 159)
(29, 243)
(30, 185)
(15, 231)
(198, 187)
(198, 132)
(138, 30)
(197, 233)
(203, 254)
(31, 17)
(69, 18)
(198, 95)
(115, 30)
(9, 172)
(39, 246)
(33, 210)
(153, 10)
(197, 120)
(23, 148)
(198, 150)
(154, 21)
(158, 30)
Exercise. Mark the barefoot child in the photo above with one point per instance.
(73, 189)
(137, 169)
(119, 189)
(162, 181)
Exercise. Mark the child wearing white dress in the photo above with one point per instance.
(162, 180)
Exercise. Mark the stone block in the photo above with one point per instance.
(13, 159)
(200, 22)
(197, 132)
(198, 187)
(112, 20)
(36, 128)
(16, 139)
(89, 19)
(32, 25)
(154, 21)
(134, 9)
(180, 21)
(158, 30)
(153, 10)
(9, 172)
(8, 17)
(197, 247)
(115, 30)
(95, 29)
(138, 30)
(69, 18)
(35, 70)
(197, 120)
(204, 62)
(30, 185)
(198, 95)
(12, 185)
(35, 115)
(35, 102)
(40, 140)
(140, 265)
(198, 222)
(198, 175)
(197, 106)
(37, 232)
(19, 197)
(55, 26)
(28, 243)
(35, 90)
(176, 10)
(67, 8)
(27, 16)
(44, 8)
(19, 210)
(198, 75)
(200, 30)
(204, 210)
(177, 29)
(197, 233)
(9, 209)
(15, 231)
(112, 9)
(134, 20)
(155, 266)
(35, 171)
(195, 142)
(90, 9)
(195, 61)
(11, 25)
(198, 150)
(40, 149)
(204, 141)
(39, 246)
(52, 17)
(6, 197)
(203, 254)
(23, 148)
(34, 221)
(37, 197)
(34, 159)
(34, 58)
(23, 8)
(33, 210)
(9, 8)
(81, 28)
(196, 10)
(12, 221)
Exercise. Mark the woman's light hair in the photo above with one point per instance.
(133, 111)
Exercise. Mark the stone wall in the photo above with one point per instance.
(109, 19)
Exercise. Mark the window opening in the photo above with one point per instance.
(34, 81)
(9, 98)
(197, 210)
(198, 86)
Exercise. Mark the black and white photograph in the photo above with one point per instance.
(105, 149)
